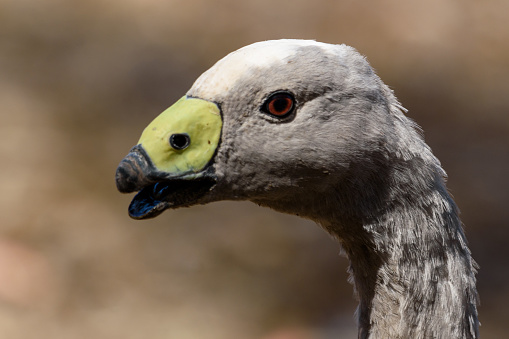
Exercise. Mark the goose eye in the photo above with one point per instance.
(180, 141)
(279, 104)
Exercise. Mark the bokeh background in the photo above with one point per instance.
(80, 80)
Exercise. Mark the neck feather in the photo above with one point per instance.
(410, 263)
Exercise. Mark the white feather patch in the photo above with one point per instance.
(218, 80)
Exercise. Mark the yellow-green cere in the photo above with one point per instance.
(200, 119)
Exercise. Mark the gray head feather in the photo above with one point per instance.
(352, 161)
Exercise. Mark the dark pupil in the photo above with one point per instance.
(281, 104)
(179, 141)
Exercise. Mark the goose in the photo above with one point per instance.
(308, 128)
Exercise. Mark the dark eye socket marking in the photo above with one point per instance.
(279, 104)
(180, 141)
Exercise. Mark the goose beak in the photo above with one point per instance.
(171, 165)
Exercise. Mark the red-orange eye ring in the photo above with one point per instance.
(279, 104)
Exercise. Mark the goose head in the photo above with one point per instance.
(281, 123)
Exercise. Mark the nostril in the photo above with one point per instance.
(180, 141)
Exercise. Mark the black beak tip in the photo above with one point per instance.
(134, 171)
(125, 183)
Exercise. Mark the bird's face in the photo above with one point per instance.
(265, 123)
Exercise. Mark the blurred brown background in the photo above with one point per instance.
(80, 80)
